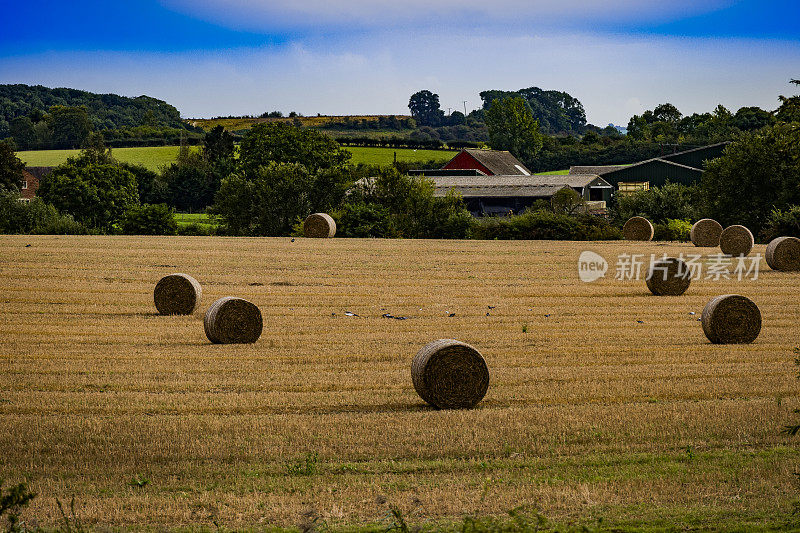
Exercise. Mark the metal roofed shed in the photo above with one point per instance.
(513, 194)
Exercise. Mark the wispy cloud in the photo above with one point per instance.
(319, 15)
(614, 76)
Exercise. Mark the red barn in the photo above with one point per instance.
(30, 181)
(489, 162)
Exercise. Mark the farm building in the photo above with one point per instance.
(31, 176)
(503, 194)
(497, 183)
(683, 167)
(489, 162)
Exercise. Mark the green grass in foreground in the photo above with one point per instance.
(154, 157)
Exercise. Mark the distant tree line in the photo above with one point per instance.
(37, 117)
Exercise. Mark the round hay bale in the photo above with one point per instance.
(177, 294)
(638, 229)
(731, 319)
(319, 225)
(449, 374)
(783, 254)
(668, 277)
(736, 240)
(232, 320)
(706, 232)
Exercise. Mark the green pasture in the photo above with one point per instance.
(201, 219)
(152, 157)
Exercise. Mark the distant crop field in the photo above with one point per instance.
(154, 157)
(236, 124)
(605, 402)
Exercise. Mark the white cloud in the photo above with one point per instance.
(376, 73)
(269, 15)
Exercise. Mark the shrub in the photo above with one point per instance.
(673, 230)
(149, 219)
(35, 217)
(12, 502)
(546, 225)
(362, 220)
(782, 223)
(409, 206)
(659, 204)
(194, 229)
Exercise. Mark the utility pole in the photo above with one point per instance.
(448, 111)
(465, 107)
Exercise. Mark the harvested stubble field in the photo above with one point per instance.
(589, 413)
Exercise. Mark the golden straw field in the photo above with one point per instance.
(614, 406)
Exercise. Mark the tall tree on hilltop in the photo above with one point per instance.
(424, 106)
(512, 127)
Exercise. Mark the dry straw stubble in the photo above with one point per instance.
(232, 320)
(731, 319)
(638, 229)
(706, 233)
(177, 294)
(319, 225)
(668, 277)
(736, 240)
(449, 374)
(783, 254)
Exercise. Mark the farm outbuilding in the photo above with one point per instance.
(488, 162)
(682, 167)
(503, 195)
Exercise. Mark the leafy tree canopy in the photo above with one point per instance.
(10, 168)
(96, 194)
(274, 142)
(424, 106)
(556, 111)
(757, 173)
(512, 127)
(105, 111)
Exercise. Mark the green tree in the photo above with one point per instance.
(758, 172)
(789, 111)
(95, 194)
(267, 202)
(752, 118)
(567, 201)
(672, 201)
(218, 145)
(70, 125)
(512, 127)
(190, 182)
(274, 142)
(425, 109)
(149, 219)
(21, 129)
(10, 168)
(409, 206)
(667, 113)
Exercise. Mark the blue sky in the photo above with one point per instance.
(221, 57)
